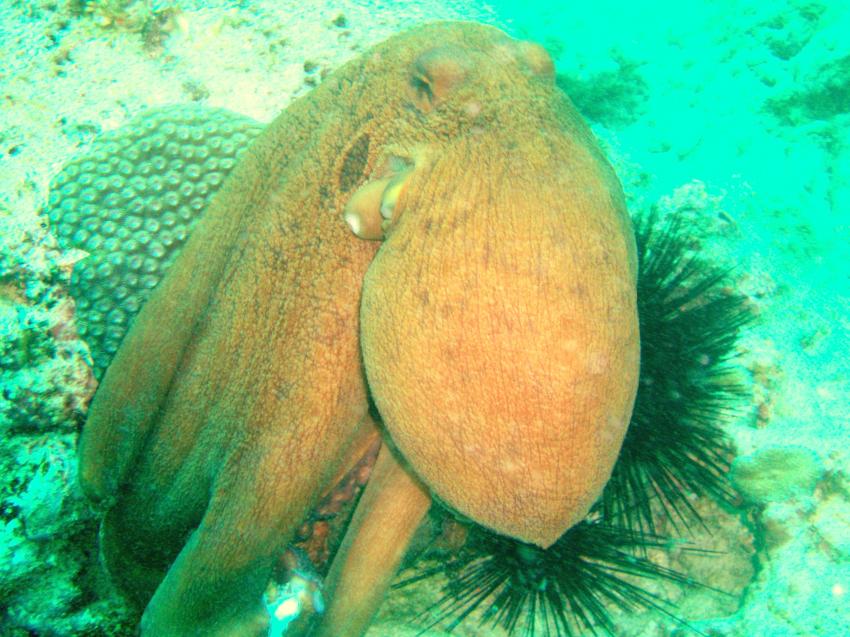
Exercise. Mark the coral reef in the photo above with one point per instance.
(131, 201)
(129, 15)
(39, 348)
(45, 585)
(611, 97)
(786, 33)
(823, 95)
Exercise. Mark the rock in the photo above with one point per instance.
(774, 474)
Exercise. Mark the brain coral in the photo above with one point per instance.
(131, 201)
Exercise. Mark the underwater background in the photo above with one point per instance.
(732, 114)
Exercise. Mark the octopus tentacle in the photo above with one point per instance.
(388, 514)
(139, 377)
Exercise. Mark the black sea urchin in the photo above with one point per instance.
(675, 448)
(553, 592)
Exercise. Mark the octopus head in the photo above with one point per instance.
(498, 321)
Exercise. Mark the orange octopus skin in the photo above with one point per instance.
(499, 331)
(499, 324)
(238, 390)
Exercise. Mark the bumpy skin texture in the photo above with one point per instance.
(131, 202)
(236, 396)
(498, 324)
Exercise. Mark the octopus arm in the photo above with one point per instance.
(136, 383)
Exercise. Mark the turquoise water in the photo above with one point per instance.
(732, 117)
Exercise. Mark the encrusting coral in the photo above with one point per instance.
(239, 395)
(131, 202)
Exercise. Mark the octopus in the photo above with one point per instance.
(433, 230)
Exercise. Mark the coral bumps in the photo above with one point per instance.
(131, 203)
